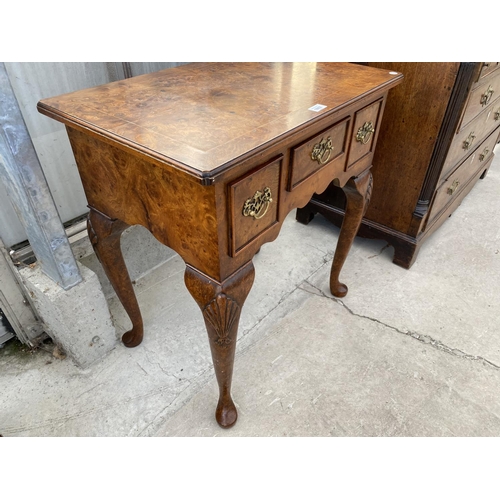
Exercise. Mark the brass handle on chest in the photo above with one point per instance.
(258, 204)
(484, 154)
(321, 152)
(453, 187)
(497, 114)
(365, 132)
(468, 142)
(486, 97)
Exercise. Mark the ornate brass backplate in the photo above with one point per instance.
(468, 142)
(258, 204)
(453, 187)
(365, 132)
(486, 97)
(484, 154)
(321, 152)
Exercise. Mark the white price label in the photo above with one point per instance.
(317, 107)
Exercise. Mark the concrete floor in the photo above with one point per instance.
(406, 353)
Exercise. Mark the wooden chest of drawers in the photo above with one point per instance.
(436, 140)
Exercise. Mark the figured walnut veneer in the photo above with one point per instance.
(183, 151)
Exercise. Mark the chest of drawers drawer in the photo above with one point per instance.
(485, 94)
(456, 180)
(487, 68)
(466, 141)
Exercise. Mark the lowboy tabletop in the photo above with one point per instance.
(202, 117)
(211, 157)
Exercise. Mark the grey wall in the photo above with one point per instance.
(32, 82)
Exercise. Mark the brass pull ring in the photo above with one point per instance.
(321, 152)
(365, 132)
(468, 142)
(453, 187)
(486, 97)
(258, 204)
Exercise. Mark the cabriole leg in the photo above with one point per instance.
(105, 235)
(221, 305)
(358, 191)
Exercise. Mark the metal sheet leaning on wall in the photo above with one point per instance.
(32, 81)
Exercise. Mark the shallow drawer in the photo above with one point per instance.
(317, 152)
(365, 130)
(459, 178)
(468, 139)
(484, 95)
(253, 204)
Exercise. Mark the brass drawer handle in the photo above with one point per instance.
(486, 97)
(453, 187)
(484, 154)
(365, 132)
(497, 114)
(258, 204)
(320, 150)
(468, 142)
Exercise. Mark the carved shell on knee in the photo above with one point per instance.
(221, 313)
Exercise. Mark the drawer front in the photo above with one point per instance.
(484, 95)
(468, 139)
(253, 204)
(496, 112)
(317, 152)
(364, 132)
(435, 221)
(459, 178)
(487, 68)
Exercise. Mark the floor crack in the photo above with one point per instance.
(153, 421)
(157, 363)
(380, 252)
(425, 339)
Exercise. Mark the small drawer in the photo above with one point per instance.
(317, 152)
(364, 132)
(460, 177)
(484, 95)
(253, 204)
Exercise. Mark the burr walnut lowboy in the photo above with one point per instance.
(211, 157)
